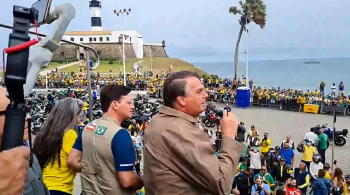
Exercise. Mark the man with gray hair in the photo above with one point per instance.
(303, 178)
(178, 157)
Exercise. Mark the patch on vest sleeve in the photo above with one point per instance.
(90, 126)
(100, 130)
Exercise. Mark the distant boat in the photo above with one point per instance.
(312, 62)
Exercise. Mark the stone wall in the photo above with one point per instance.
(106, 51)
(155, 50)
(109, 51)
(65, 52)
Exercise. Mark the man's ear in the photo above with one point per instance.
(114, 105)
(181, 100)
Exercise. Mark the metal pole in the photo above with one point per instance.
(47, 89)
(334, 113)
(150, 58)
(89, 82)
(247, 58)
(123, 49)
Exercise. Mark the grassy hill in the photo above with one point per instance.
(51, 66)
(158, 65)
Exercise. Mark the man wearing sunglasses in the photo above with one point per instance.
(15, 175)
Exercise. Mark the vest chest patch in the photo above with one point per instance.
(100, 130)
(91, 126)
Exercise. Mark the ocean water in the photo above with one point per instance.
(293, 74)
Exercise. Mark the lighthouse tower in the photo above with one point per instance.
(96, 22)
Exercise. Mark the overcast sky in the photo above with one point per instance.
(203, 30)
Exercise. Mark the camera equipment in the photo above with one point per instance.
(20, 60)
(218, 111)
(15, 76)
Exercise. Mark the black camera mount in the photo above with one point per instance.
(15, 76)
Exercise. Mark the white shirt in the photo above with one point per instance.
(314, 168)
(311, 136)
(333, 88)
(255, 160)
(138, 139)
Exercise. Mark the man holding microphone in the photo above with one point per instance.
(178, 156)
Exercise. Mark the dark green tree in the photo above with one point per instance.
(250, 10)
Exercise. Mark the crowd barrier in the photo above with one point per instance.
(316, 107)
(53, 86)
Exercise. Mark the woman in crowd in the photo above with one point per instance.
(53, 144)
(337, 181)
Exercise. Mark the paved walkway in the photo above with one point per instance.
(60, 67)
(281, 123)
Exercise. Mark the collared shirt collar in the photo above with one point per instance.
(109, 118)
(172, 112)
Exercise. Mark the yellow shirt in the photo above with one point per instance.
(265, 146)
(85, 107)
(346, 189)
(308, 153)
(328, 176)
(303, 100)
(61, 178)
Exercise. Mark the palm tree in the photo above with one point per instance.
(250, 10)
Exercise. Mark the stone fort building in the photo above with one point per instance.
(109, 45)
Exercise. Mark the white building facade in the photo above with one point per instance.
(130, 37)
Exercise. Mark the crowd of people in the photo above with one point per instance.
(275, 169)
(60, 151)
(219, 90)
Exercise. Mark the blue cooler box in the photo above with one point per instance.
(243, 97)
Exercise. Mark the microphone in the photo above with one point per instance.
(40, 54)
(218, 111)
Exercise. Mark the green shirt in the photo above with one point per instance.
(242, 166)
(267, 178)
(322, 141)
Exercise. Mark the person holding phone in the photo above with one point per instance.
(260, 188)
